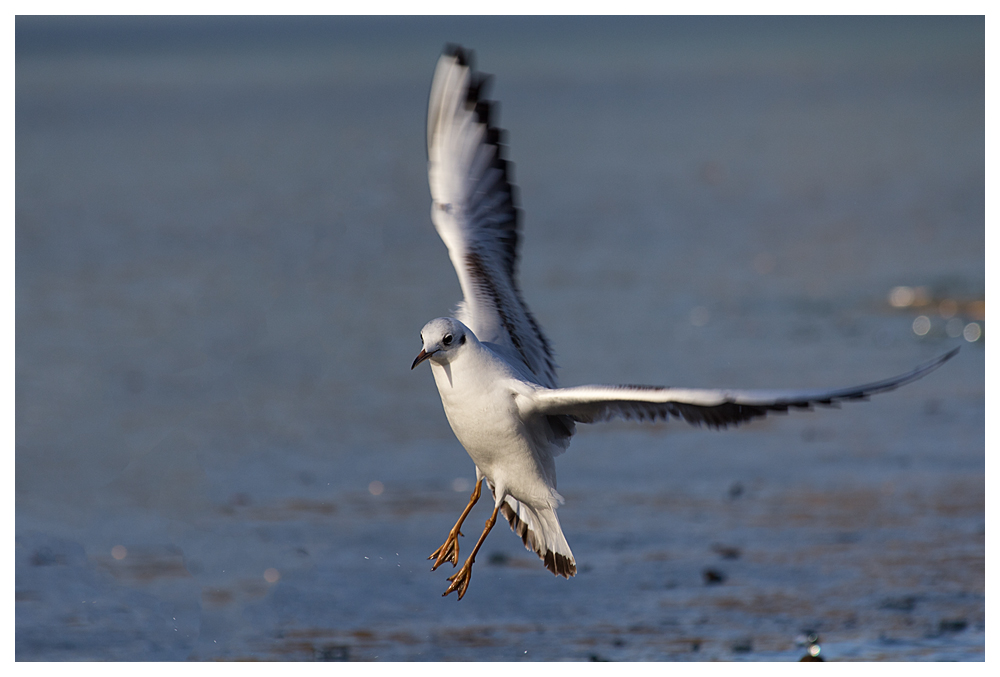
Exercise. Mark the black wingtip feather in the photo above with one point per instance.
(484, 108)
(462, 55)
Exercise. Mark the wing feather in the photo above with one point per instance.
(474, 211)
(699, 406)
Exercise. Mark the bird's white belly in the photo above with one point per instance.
(485, 419)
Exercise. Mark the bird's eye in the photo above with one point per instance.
(447, 339)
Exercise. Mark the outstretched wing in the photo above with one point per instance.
(475, 214)
(714, 408)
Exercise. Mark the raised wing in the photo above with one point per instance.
(474, 212)
(714, 408)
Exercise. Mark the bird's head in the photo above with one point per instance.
(443, 338)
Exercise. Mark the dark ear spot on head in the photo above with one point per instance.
(461, 341)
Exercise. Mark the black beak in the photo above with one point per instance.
(420, 358)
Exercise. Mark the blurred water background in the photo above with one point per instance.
(224, 256)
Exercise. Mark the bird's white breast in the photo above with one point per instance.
(479, 394)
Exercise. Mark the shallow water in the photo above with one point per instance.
(224, 256)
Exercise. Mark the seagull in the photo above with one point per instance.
(492, 364)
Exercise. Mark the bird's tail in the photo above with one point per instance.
(540, 531)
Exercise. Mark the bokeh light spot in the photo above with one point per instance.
(954, 327)
(972, 332)
(900, 297)
(921, 325)
(376, 488)
(119, 552)
(947, 308)
(271, 575)
(461, 484)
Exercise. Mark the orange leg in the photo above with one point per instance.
(460, 579)
(449, 549)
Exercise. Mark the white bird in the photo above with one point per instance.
(493, 366)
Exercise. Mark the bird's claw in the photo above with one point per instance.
(460, 581)
(448, 552)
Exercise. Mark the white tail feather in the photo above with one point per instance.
(540, 532)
